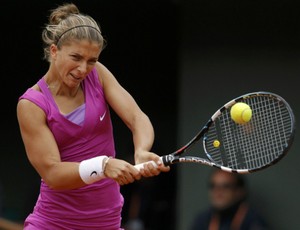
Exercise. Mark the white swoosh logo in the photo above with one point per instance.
(102, 117)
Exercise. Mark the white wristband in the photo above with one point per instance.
(91, 170)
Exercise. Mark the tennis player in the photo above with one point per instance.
(66, 128)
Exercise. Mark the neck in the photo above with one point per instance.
(60, 89)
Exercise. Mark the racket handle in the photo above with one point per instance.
(141, 166)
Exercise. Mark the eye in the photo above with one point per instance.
(75, 57)
(92, 62)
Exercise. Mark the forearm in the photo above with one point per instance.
(62, 176)
(143, 135)
(143, 138)
(71, 175)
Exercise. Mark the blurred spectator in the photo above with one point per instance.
(229, 208)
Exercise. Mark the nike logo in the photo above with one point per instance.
(94, 172)
(102, 117)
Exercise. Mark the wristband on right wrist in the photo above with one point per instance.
(91, 170)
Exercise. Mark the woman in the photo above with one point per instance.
(66, 128)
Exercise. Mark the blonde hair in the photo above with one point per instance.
(66, 23)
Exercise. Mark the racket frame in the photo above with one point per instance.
(176, 157)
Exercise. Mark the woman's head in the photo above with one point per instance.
(67, 24)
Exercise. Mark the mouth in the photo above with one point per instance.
(75, 77)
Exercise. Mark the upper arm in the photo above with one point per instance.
(117, 97)
(40, 145)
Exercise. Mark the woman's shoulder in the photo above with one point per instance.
(33, 91)
(34, 95)
(105, 75)
(99, 68)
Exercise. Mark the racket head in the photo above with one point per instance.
(255, 145)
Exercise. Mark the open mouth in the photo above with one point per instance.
(74, 77)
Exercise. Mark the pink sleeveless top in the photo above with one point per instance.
(96, 206)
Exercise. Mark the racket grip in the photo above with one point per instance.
(141, 166)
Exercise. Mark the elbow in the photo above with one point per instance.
(59, 182)
(140, 119)
(52, 183)
(50, 177)
(55, 181)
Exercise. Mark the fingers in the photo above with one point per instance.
(122, 172)
(126, 179)
(149, 169)
(162, 167)
(123, 179)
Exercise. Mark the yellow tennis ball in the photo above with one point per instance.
(241, 113)
(216, 143)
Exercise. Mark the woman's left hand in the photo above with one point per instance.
(149, 169)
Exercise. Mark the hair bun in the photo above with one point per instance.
(62, 12)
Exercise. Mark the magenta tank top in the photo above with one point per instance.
(95, 206)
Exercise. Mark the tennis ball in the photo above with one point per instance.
(216, 143)
(240, 113)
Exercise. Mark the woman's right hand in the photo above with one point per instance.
(121, 171)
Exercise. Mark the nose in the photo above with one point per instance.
(82, 67)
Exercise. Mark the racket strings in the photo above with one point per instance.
(254, 144)
(267, 138)
(266, 145)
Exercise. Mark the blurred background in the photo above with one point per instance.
(181, 60)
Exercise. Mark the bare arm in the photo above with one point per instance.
(42, 150)
(136, 120)
(43, 153)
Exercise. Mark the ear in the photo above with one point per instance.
(53, 51)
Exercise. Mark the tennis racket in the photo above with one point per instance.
(242, 148)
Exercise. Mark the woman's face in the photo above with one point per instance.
(74, 60)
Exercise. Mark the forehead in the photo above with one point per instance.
(82, 46)
(222, 176)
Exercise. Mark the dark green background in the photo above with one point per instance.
(181, 60)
